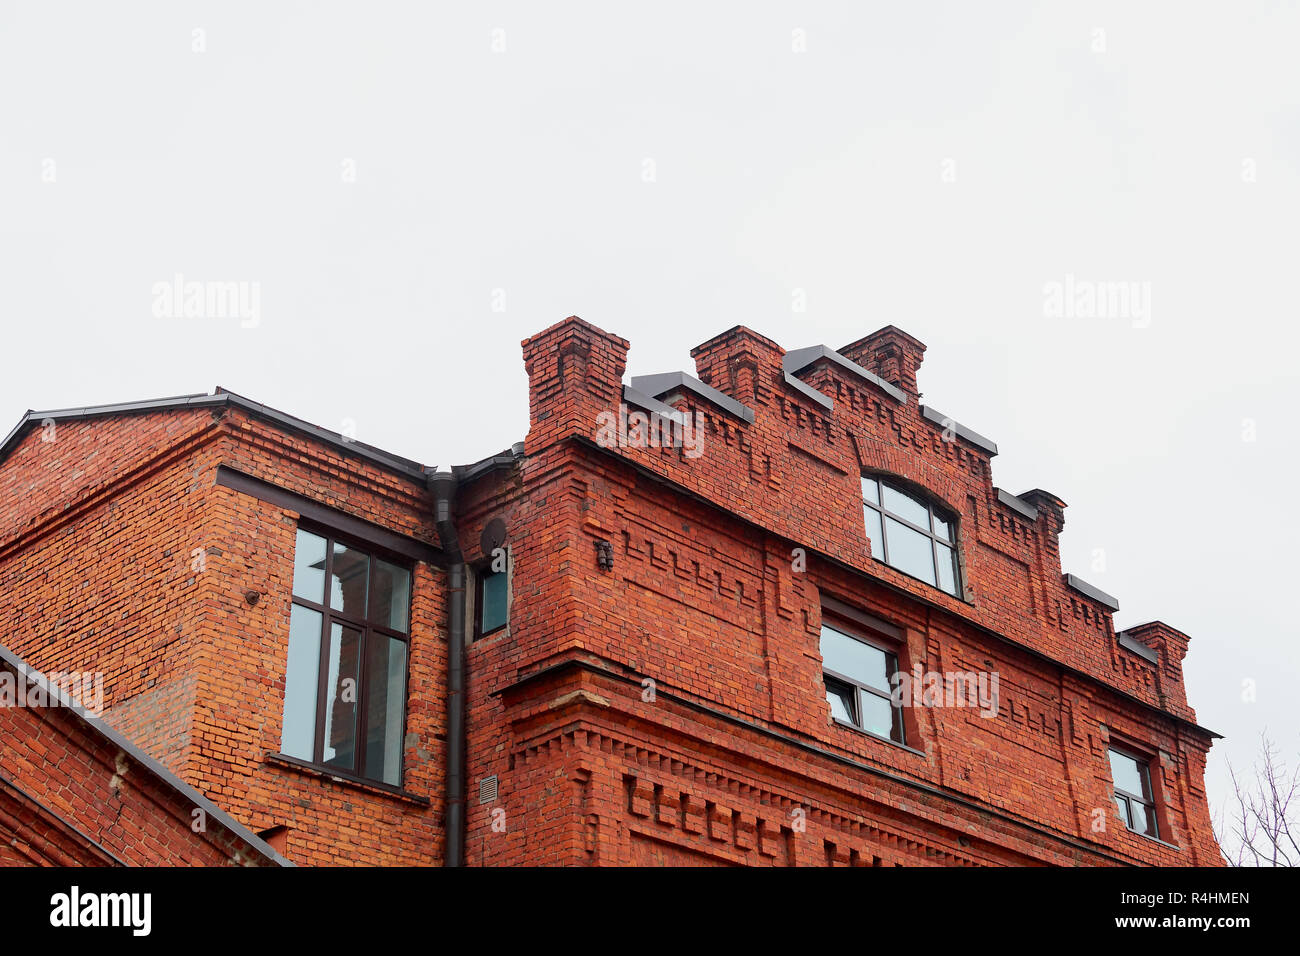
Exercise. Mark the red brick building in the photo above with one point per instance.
(772, 613)
(73, 792)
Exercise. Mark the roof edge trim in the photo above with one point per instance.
(1088, 590)
(634, 396)
(54, 692)
(798, 360)
(1138, 648)
(1015, 504)
(221, 397)
(944, 421)
(661, 383)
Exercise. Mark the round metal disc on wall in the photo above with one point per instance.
(493, 537)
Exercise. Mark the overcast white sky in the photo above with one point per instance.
(391, 175)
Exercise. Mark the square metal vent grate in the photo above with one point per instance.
(487, 789)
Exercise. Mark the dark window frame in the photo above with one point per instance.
(933, 513)
(366, 627)
(482, 572)
(846, 627)
(1144, 761)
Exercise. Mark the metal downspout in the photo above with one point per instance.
(443, 485)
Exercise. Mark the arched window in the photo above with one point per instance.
(910, 534)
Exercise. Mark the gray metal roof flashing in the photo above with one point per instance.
(406, 466)
(663, 383)
(220, 397)
(798, 360)
(633, 396)
(808, 391)
(1138, 648)
(55, 692)
(1015, 504)
(504, 459)
(974, 437)
(1087, 590)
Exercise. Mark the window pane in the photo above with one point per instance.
(349, 581)
(862, 662)
(385, 698)
(874, 532)
(1144, 819)
(1127, 774)
(1145, 772)
(906, 507)
(493, 614)
(840, 698)
(392, 595)
(877, 715)
(341, 689)
(309, 567)
(942, 528)
(298, 737)
(947, 569)
(909, 551)
(870, 491)
(1122, 803)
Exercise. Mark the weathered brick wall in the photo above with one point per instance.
(63, 464)
(140, 569)
(704, 600)
(98, 570)
(70, 796)
(241, 700)
(733, 757)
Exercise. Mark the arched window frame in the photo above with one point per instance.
(886, 501)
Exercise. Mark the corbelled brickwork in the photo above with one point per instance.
(723, 561)
(668, 709)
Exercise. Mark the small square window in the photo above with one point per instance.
(911, 534)
(858, 675)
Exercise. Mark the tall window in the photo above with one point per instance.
(1131, 774)
(491, 601)
(857, 674)
(345, 688)
(910, 534)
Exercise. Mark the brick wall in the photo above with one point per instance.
(140, 569)
(706, 600)
(670, 709)
(329, 820)
(71, 795)
(97, 566)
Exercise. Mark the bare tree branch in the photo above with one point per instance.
(1259, 825)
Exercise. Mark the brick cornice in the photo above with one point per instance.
(540, 725)
(894, 581)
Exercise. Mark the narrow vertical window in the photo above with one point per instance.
(492, 601)
(1131, 775)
